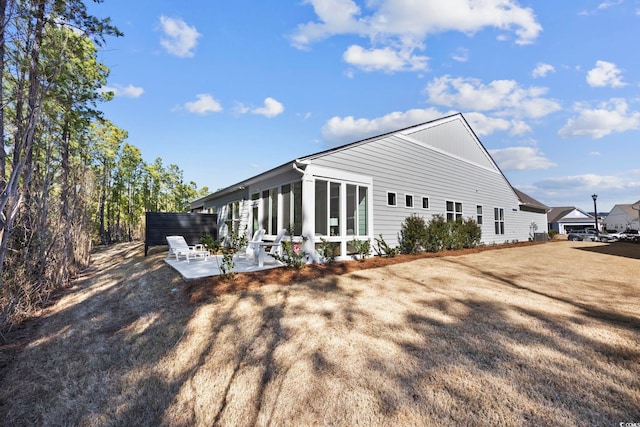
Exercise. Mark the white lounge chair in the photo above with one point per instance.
(178, 247)
(253, 246)
(274, 247)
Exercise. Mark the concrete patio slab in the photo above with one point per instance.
(211, 267)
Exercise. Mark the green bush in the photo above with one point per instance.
(362, 248)
(413, 234)
(438, 235)
(328, 250)
(552, 234)
(383, 249)
(470, 233)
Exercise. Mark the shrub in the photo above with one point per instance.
(328, 250)
(438, 234)
(413, 234)
(383, 249)
(552, 234)
(362, 248)
(293, 254)
(442, 234)
(470, 233)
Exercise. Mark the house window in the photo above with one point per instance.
(255, 212)
(391, 199)
(498, 215)
(425, 203)
(286, 205)
(273, 213)
(321, 209)
(479, 215)
(408, 200)
(356, 210)
(233, 217)
(334, 209)
(291, 199)
(296, 192)
(454, 210)
(264, 218)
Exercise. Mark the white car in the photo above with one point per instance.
(609, 237)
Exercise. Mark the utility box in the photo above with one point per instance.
(540, 237)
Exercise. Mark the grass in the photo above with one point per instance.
(535, 335)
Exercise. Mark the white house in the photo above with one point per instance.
(568, 218)
(623, 217)
(367, 188)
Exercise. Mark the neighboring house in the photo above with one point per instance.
(568, 218)
(623, 217)
(367, 188)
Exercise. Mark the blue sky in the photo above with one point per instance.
(226, 90)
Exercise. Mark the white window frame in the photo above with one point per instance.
(480, 215)
(395, 198)
(428, 202)
(498, 220)
(412, 201)
(454, 212)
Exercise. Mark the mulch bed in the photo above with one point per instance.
(201, 290)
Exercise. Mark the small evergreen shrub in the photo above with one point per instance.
(413, 234)
(552, 234)
(437, 234)
(383, 249)
(328, 250)
(293, 254)
(362, 248)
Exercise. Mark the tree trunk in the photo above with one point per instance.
(11, 200)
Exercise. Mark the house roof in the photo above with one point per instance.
(556, 214)
(295, 164)
(529, 201)
(629, 208)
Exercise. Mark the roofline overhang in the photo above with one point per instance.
(297, 165)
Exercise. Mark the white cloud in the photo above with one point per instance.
(611, 116)
(386, 59)
(240, 108)
(461, 55)
(605, 74)
(505, 97)
(542, 70)
(412, 21)
(271, 108)
(520, 158)
(396, 28)
(129, 91)
(341, 130)
(584, 182)
(205, 104)
(181, 39)
(608, 4)
(484, 125)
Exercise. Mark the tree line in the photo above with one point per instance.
(69, 180)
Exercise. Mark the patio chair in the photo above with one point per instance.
(178, 247)
(253, 246)
(274, 247)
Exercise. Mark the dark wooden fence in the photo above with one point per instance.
(192, 226)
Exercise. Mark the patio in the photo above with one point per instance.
(210, 266)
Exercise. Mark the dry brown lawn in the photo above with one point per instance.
(533, 335)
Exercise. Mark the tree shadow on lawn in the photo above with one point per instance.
(544, 364)
(622, 249)
(372, 350)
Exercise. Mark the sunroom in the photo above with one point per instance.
(323, 205)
